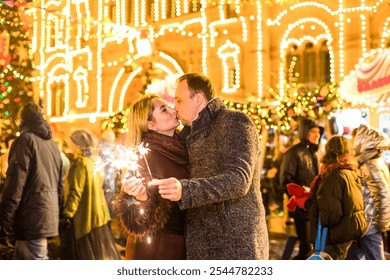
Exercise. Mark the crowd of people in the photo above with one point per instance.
(197, 192)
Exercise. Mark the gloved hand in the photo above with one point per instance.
(6, 237)
(299, 196)
(65, 223)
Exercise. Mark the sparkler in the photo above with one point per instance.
(143, 150)
(123, 163)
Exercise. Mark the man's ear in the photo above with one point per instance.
(151, 125)
(199, 98)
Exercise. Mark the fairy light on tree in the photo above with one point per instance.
(16, 66)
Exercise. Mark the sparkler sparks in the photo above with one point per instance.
(122, 163)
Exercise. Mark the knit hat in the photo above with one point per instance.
(83, 138)
(29, 111)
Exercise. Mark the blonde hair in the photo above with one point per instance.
(139, 115)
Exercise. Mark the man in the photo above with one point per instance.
(225, 213)
(300, 166)
(33, 194)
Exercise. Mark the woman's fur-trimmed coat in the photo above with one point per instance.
(156, 226)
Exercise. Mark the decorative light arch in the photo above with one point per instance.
(166, 63)
(228, 51)
(285, 42)
(81, 78)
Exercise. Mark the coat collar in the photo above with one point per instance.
(208, 113)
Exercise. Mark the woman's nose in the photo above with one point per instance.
(172, 110)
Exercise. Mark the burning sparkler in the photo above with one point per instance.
(123, 163)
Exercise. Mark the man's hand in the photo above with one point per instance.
(170, 188)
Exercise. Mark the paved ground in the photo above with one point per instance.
(278, 236)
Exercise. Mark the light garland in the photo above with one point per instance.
(225, 52)
(385, 32)
(78, 27)
(341, 40)
(286, 41)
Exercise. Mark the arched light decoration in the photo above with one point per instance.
(56, 79)
(225, 22)
(287, 41)
(81, 78)
(83, 14)
(339, 14)
(72, 22)
(230, 51)
(173, 70)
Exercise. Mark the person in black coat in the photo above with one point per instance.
(300, 166)
(33, 194)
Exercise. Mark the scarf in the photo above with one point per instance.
(171, 147)
(343, 162)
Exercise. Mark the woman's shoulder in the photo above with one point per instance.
(344, 174)
(82, 161)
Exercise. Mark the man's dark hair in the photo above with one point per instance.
(199, 83)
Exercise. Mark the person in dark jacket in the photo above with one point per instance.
(300, 166)
(31, 201)
(155, 226)
(225, 211)
(336, 198)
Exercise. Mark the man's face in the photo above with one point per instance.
(314, 135)
(186, 106)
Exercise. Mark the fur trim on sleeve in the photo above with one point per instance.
(142, 218)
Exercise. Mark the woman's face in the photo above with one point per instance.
(164, 118)
(73, 147)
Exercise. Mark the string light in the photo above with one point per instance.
(65, 27)
(225, 52)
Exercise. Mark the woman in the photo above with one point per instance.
(368, 145)
(155, 225)
(336, 197)
(85, 207)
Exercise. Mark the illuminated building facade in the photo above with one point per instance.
(94, 57)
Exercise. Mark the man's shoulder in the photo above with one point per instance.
(229, 114)
(296, 149)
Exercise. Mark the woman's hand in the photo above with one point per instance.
(135, 187)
